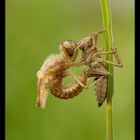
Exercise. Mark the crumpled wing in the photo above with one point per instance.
(42, 98)
(42, 91)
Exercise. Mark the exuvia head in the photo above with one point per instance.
(85, 43)
(69, 50)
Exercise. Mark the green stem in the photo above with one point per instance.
(109, 125)
(109, 41)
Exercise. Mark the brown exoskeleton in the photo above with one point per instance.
(92, 57)
(54, 69)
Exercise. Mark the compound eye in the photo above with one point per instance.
(69, 48)
(69, 51)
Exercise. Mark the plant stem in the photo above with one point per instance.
(109, 41)
(109, 125)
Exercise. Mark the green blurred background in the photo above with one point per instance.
(34, 30)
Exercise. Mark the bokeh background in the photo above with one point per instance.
(34, 30)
